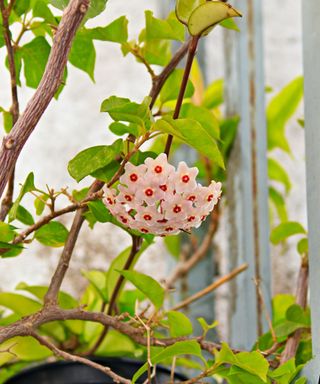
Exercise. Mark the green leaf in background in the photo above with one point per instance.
(277, 199)
(280, 304)
(213, 94)
(205, 326)
(173, 244)
(12, 249)
(116, 344)
(42, 11)
(116, 32)
(285, 373)
(23, 348)
(35, 56)
(96, 7)
(170, 89)
(279, 111)
(303, 247)
(28, 186)
(60, 4)
(180, 348)
(53, 234)
(89, 160)
(203, 116)
(21, 305)
(22, 6)
(230, 24)
(194, 134)
(7, 121)
(83, 54)
(179, 324)
(277, 173)
(157, 52)
(98, 281)
(99, 211)
(40, 203)
(163, 29)
(285, 230)
(147, 285)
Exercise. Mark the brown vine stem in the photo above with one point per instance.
(136, 244)
(222, 280)
(14, 109)
(79, 359)
(192, 48)
(14, 142)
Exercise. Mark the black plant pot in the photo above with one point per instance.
(64, 372)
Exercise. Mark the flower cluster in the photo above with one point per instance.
(156, 198)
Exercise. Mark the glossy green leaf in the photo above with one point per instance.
(280, 304)
(89, 160)
(184, 9)
(95, 8)
(277, 173)
(53, 234)
(297, 314)
(22, 6)
(179, 324)
(177, 349)
(106, 173)
(99, 211)
(35, 56)
(6, 232)
(163, 29)
(285, 230)
(121, 129)
(209, 14)
(170, 89)
(116, 344)
(83, 54)
(116, 32)
(173, 244)
(98, 281)
(230, 24)
(42, 11)
(203, 116)
(24, 216)
(205, 326)
(28, 186)
(147, 285)
(12, 249)
(194, 134)
(303, 247)
(19, 304)
(279, 111)
(39, 203)
(157, 52)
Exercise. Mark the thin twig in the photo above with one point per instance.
(68, 356)
(222, 280)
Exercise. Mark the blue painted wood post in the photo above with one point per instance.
(248, 185)
(311, 56)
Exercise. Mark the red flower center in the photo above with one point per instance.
(191, 218)
(109, 200)
(192, 198)
(147, 217)
(158, 169)
(162, 221)
(123, 219)
(169, 229)
(210, 197)
(148, 192)
(133, 177)
(128, 197)
(203, 218)
(163, 187)
(144, 230)
(185, 178)
(177, 209)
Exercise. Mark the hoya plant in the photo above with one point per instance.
(136, 185)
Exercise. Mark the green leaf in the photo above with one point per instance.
(278, 173)
(163, 29)
(213, 94)
(95, 8)
(179, 348)
(147, 285)
(35, 56)
(98, 281)
(230, 24)
(208, 15)
(42, 11)
(173, 244)
(116, 344)
(23, 348)
(39, 203)
(280, 304)
(60, 4)
(21, 305)
(194, 134)
(99, 211)
(203, 116)
(53, 234)
(83, 54)
(13, 249)
(89, 160)
(122, 109)
(24, 216)
(106, 173)
(116, 32)
(296, 314)
(170, 89)
(28, 186)
(22, 6)
(121, 129)
(179, 324)
(6, 232)
(7, 121)
(279, 203)
(279, 111)
(157, 52)
(184, 9)
(285, 230)
(205, 326)
(303, 247)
